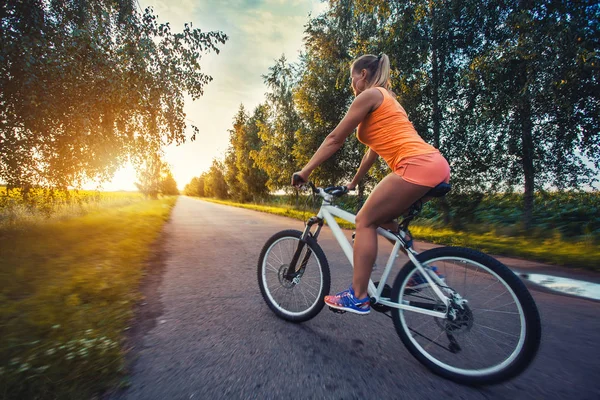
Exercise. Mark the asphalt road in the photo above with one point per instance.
(215, 338)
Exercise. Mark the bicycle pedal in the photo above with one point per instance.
(335, 310)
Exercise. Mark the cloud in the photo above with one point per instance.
(259, 31)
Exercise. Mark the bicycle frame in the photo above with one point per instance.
(328, 211)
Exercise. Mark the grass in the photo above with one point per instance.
(555, 250)
(69, 286)
(578, 254)
(277, 210)
(46, 204)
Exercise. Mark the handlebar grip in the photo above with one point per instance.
(297, 180)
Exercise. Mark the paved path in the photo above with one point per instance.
(216, 339)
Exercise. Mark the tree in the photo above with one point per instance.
(541, 71)
(196, 186)
(278, 126)
(193, 188)
(168, 185)
(155, 177)
(323, 95)
(85, 85)
(149, 176)
(231, 173)
(246, 181)
(251, 176)
(214, 182)
(508, 91)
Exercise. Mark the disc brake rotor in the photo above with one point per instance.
(283, 281)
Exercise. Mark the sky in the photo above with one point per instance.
(259, 31)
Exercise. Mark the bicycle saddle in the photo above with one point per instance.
(440, 190)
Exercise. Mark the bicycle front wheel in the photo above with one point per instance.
(299, 296)
(492, 328)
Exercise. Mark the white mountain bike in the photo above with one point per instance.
(460, 312)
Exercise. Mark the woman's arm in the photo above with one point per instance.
(361, 106)
(365, 165)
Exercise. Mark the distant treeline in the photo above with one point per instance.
(507, 90)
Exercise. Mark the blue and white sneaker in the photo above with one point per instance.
(346, 301)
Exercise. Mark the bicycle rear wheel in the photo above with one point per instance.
(301, 297)
(492, 331)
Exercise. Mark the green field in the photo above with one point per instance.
(70, 281)
(46, 204)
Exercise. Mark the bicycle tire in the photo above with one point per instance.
(468, 319)
(312, 307)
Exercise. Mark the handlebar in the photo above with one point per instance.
(327, 193)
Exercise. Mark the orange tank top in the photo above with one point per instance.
(389, 133)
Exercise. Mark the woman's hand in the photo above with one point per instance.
(300, 177)
(351, 186)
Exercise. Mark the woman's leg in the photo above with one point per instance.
(390, 198)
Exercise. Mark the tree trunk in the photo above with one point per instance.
(527, 156)
(435, 76)
(436, 112)
(524, 113)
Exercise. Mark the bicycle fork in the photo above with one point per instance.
(293, 274)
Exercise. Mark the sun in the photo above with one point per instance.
(124, 179)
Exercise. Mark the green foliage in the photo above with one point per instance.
(69, 286)
(214, 181)
(245, 180)
(577, 252)
(85, 85)
(323, 94)
(155, 177)
(507, 90)
(570, 215)
(540, 68)
(277, 132)
(168, 185)
(195, 187)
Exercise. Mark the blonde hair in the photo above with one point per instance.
(377, 67)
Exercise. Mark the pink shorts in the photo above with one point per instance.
(426, 169)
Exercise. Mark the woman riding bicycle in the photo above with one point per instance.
(416, 167)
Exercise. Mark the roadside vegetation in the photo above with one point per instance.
(70, 281)
(86, 87)
(566, 234)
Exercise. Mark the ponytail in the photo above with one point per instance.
(377, 67)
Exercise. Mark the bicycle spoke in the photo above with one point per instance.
(272, 268)
(485, 289)
(426, 338)
(495, 311)
(434, 341)
(484, 331)
(494, 298)
(496, 330)
(292, 297)
(494, 340)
